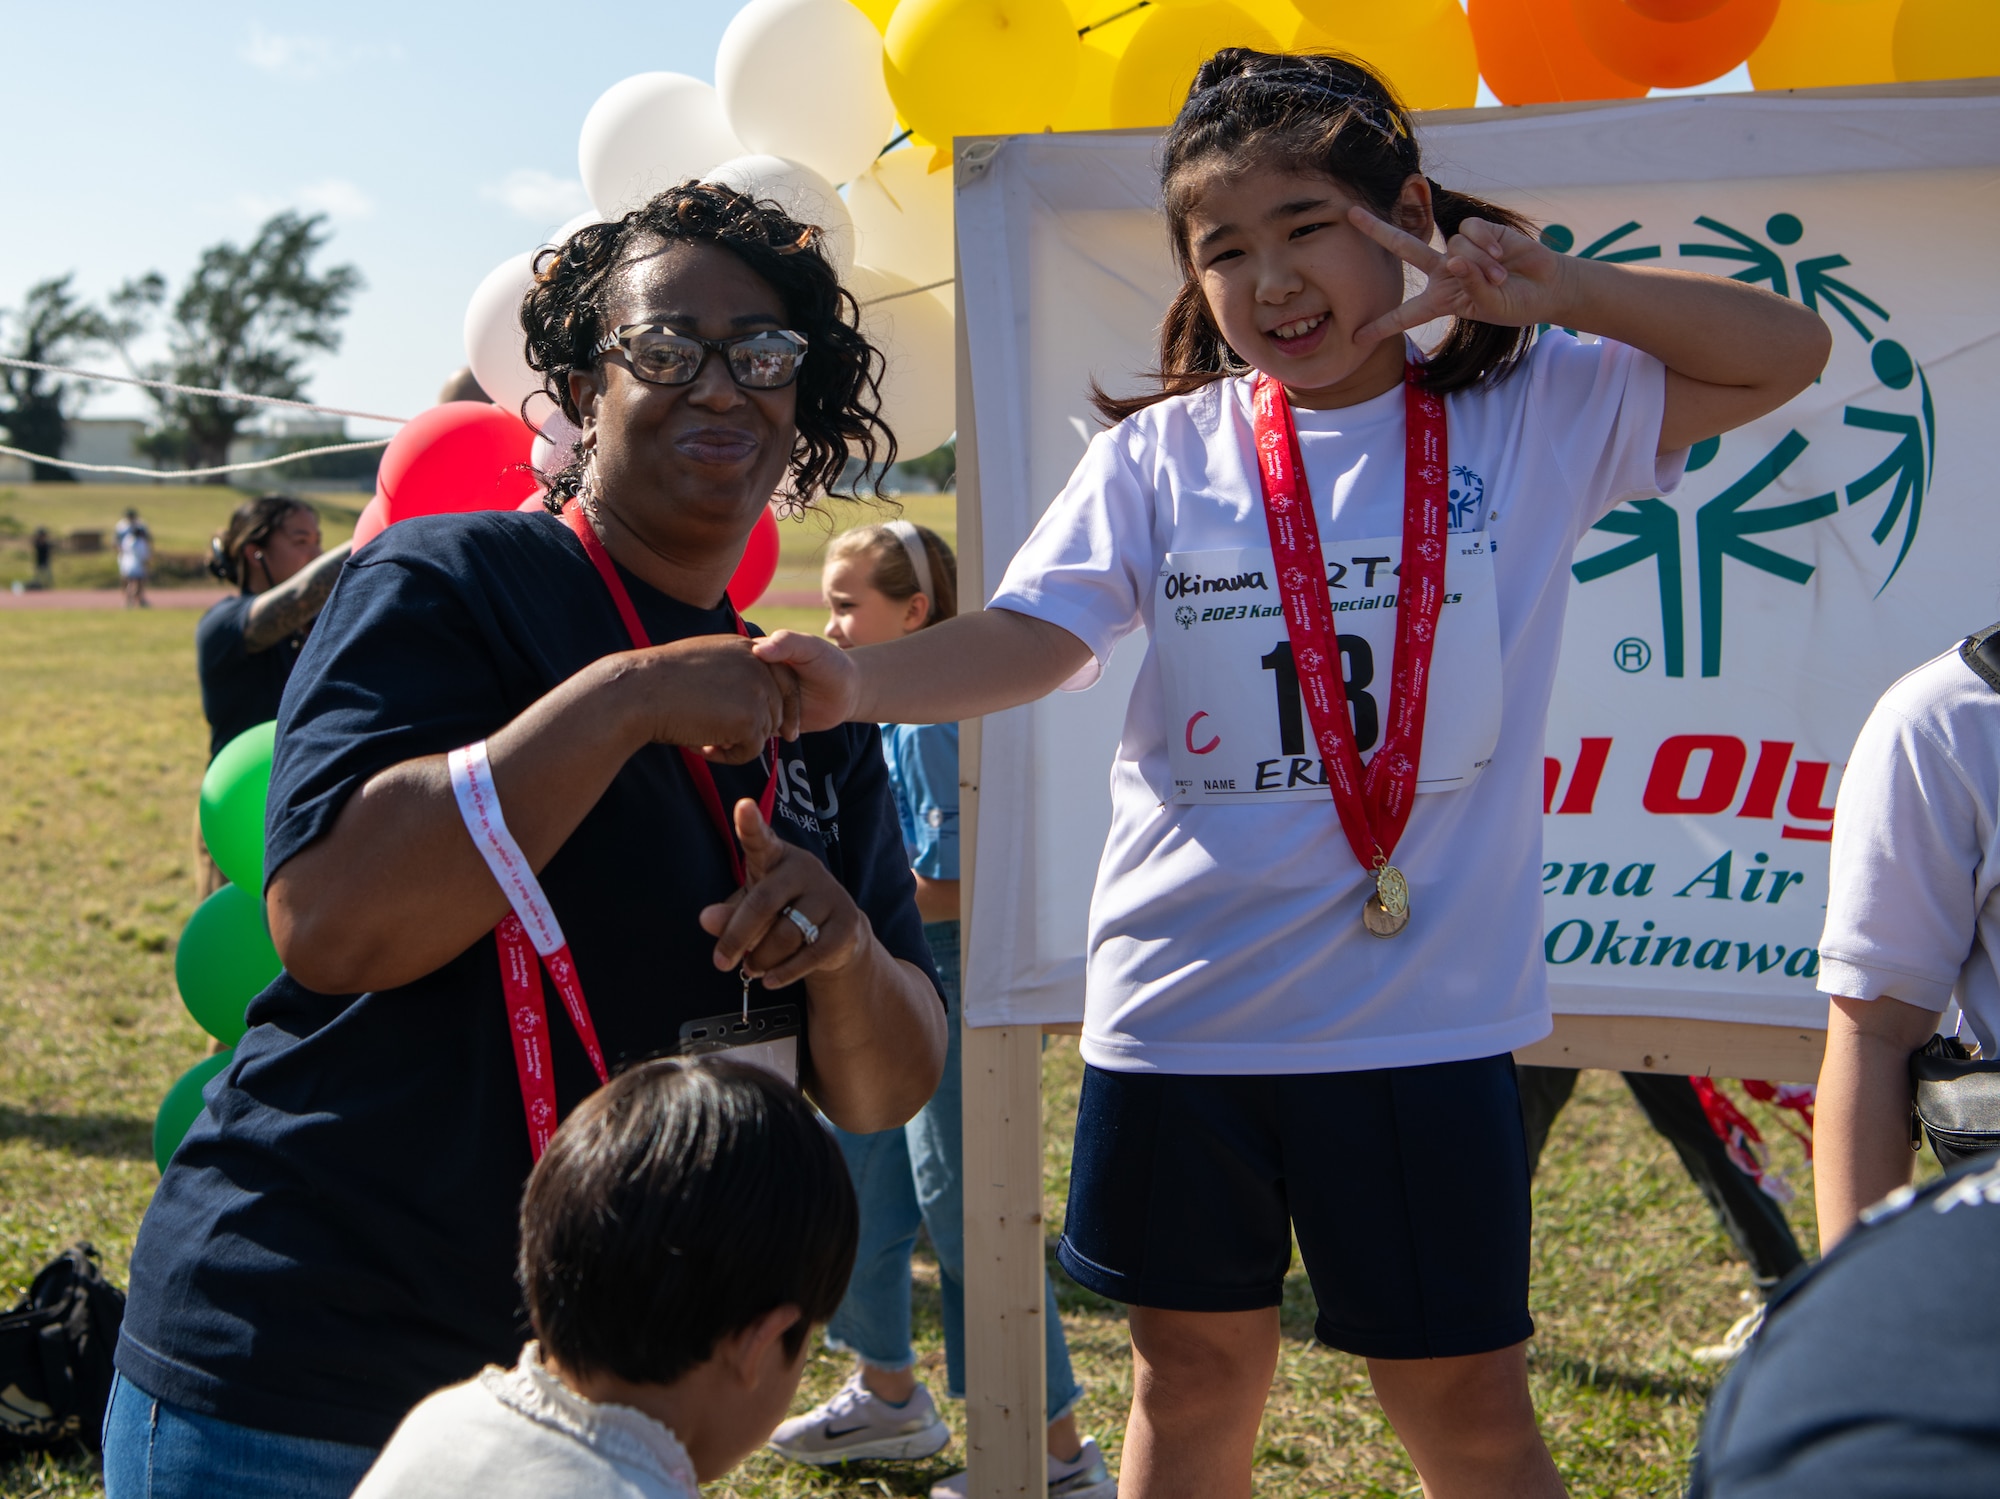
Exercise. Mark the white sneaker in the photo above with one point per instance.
(857, 1424)
(1082, 1477)
(1741, 1331)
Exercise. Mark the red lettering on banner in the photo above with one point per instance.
(1761, 800)
(1808, 791)
(1727, 757)
(1582, 793)
(1552, 772)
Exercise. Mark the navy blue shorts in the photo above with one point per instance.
(1407, 1188)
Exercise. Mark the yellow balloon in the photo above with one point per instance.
(1947, 39)
(1820, 43)
(1423, 47)
(1103, 44)
(980, 67)
(877, 11)
(1172, 42)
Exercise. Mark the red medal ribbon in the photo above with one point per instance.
(1374, 805)
(521, 957)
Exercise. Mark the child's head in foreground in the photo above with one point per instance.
(687, 1227)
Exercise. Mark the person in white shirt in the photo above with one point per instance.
(1912, 940)
(135, 558)
(686, 1228)
(1338, 549)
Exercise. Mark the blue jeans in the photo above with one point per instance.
(153, 1450)
(911, 1177)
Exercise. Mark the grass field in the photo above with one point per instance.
(101, 748)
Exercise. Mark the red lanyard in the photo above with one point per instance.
(1374, 805)
(521, 955)
(697, 768)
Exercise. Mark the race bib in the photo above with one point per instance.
(1237, 725)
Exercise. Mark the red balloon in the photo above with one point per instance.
(370, 523)
(1673, 54)
(458, 457)
(759, 564)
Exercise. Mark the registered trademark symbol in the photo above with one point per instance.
(1632, 654)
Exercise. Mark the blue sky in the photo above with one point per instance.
(439, 139)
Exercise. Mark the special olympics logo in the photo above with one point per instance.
(1421, 629)
(541, 1112)
(526, 1021)
(1184, 616)
(1310, 659)
(1295, 578)
(1430, 473)
(1279, 503)
(1429, 550)
(1467, 493)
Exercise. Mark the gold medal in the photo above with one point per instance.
(1386, 912)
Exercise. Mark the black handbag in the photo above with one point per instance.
(1955, 1100)
(55, 1355)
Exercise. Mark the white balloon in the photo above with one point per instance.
(555, 444)
(803, 79)
(801, 192)
(496, 346)
(561, 236)
(648, 133)
(902, 218)
(916, 337)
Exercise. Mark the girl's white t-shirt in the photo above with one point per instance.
(1227, 939)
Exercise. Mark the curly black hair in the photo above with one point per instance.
(839, 386)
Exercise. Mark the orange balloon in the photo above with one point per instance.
(1673, 54)
(1530, 52)
(1675, 10)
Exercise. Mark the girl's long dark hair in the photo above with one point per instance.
(1305, 112)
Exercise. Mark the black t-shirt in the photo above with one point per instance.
(239, 688)
(1877, 1372)
(336, 1237)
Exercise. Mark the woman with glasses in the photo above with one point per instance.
(523, 752)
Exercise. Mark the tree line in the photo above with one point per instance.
(248, 318)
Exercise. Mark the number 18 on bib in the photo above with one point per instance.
(1283, 668)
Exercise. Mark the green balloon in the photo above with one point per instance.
(225, 960)
(182, 1106)
(232, 805)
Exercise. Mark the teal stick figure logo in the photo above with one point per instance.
(1656, 534)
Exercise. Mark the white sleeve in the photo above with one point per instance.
(1600, 406)
(1900, 910)
(1089, 560)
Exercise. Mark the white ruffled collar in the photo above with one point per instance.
(622, 1434)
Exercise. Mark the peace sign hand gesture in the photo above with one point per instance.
(1487, 272)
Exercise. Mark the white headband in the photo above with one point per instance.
(918, 553)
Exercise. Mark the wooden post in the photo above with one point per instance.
(1006, 1372)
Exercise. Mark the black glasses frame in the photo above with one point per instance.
(619, 337)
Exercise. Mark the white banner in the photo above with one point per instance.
(1723, 645)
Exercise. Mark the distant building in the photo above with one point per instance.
(92, 439)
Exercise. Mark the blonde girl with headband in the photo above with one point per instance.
(1305, 978)
(882, 583)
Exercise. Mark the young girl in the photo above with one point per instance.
(881, 584)
(1304, 981)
